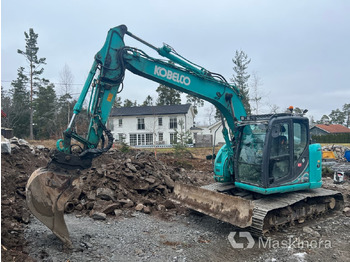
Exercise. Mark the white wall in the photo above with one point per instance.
(129, 126)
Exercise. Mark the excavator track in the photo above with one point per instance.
(276, 211)
(272, 212)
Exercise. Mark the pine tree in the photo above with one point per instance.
(196, 102)
(45, 111)
(118, 102)
(129, 103)
(337, 117)
(148, 101)
(35, 69)
(19, 115)
(346, 110)
(241, 77)
(65, 106)
(168, 96)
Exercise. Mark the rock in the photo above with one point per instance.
(346, 211)
(131, 167)
(126, 202)
(25, 217)
(23, 142)
(5, 147)
(169, 182)
(100, 172)
(142, 186)
(139, 207)
(160, 207)
(98, 216)
(150, 180)
(128, 174)
(14, 140)
(105, 193)
(175, 176)
(40, 147)
(79, 207)
(118, 212)
(110, 208)
(91, 196)
(89, 205)
(169, 204)
(147, 210)
(310, 231)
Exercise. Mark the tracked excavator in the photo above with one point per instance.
(267, 174)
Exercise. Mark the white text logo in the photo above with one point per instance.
(160, 71)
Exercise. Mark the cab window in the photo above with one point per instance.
(279, 162)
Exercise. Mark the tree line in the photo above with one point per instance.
(337, 116)
(32, 106)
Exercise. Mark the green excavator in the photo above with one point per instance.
(267, 174)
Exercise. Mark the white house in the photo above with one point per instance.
(205, 136)
(150, 125)
(216, 131)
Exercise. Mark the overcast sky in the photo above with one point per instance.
(299, 49)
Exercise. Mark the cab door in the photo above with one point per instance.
(280, 148)
(287, 151)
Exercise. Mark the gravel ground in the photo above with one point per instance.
(193, 237)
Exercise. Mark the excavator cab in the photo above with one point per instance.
(271, 156)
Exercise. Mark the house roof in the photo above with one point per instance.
(193, 128)
(333, 128)
(150, 110)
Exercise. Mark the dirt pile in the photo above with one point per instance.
(117, 182)
(135, 179)
(15, 171)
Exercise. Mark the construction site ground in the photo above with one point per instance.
(122, 213)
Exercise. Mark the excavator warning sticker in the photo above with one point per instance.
(109, 98)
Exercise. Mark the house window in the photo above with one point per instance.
(133, 140)
(120, 122)
(173, 123)
(173, 138)
(120, 137)
(160, 121)
(149, 139)
(140, 123)
(160, 137)
(141, 139)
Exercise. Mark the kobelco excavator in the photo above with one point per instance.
(267, 174)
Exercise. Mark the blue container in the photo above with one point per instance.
(347, 155)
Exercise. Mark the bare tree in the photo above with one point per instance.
(274, 109)
(66, 82)
(211, 114)
(256, 96)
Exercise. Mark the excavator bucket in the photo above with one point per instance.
(232, 209)
(47, 194)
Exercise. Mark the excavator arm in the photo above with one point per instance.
(107, 74)
(49, 188)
